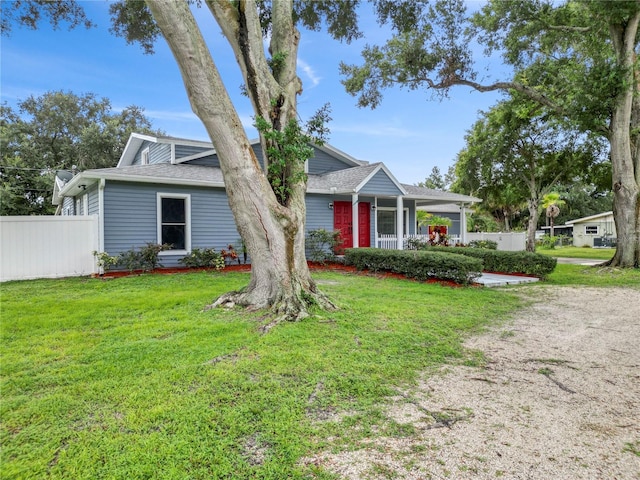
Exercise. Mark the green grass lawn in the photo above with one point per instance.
(130, 378)
(579, 252)
(594, 276)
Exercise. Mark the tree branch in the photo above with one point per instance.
(241, 27)
(567, 28)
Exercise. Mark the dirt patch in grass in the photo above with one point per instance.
(558, 397)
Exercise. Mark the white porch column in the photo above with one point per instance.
(354, 220)
(400, 222)
(463, 224)
(375, 222)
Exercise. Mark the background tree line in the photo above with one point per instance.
(58, 131)
(515, 156)
(574, 63)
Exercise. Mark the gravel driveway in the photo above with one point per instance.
(559, 398)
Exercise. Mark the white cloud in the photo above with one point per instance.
(309, 72)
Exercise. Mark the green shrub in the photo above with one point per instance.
(205, 257)
(420, 265)
(105, 261)
(548, 242)
(321, 244)
(511, 262)
(145, 259)
(413, 243)
(150, 255)
(488, 244)
(527, 263)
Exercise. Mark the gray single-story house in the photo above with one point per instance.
(594, 231)
(171, 190)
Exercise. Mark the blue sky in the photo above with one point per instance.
(408, 132)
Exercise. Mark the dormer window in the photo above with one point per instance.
(144, 157)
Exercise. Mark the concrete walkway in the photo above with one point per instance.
(501, 280)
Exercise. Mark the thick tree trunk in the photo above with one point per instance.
(626, 166)
(532, 224)
(626, 203)
(273, 234)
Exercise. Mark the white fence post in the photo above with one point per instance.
(47, 246)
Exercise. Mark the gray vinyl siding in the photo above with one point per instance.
(454, 229)
(387, 202)
(68, 206)
(208, 161)
(380, 184)
(188, 150)
(131, 210)
(94, 203)
(319, 215)
(158, 153)
(257, 148)
(322, 162)
(213, 161)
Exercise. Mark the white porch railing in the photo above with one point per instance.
(387, 241)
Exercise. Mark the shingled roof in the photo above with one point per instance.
(344, 181)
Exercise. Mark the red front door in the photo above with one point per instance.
(364, 224)
(343, 221)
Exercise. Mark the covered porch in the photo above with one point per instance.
(394, 218)
(370, 208)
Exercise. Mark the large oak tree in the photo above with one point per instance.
(267, 201)
(577, 59)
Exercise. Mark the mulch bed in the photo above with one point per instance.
(335, 267)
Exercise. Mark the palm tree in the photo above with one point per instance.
(552, 201)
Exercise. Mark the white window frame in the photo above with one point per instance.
(405, 227)
(144, 157)
(187, 220)
(77, 209)
(587, 227)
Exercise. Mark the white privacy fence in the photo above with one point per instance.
(511, 241)
(47, 246)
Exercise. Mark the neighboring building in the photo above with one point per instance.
(171, 190)
(594, 231)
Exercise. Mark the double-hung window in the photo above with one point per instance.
(174, 221)
(387, 217)
(591, 229)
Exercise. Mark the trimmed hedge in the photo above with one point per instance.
(420, 265)
(527, 263)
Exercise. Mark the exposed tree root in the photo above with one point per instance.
(285, 307)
